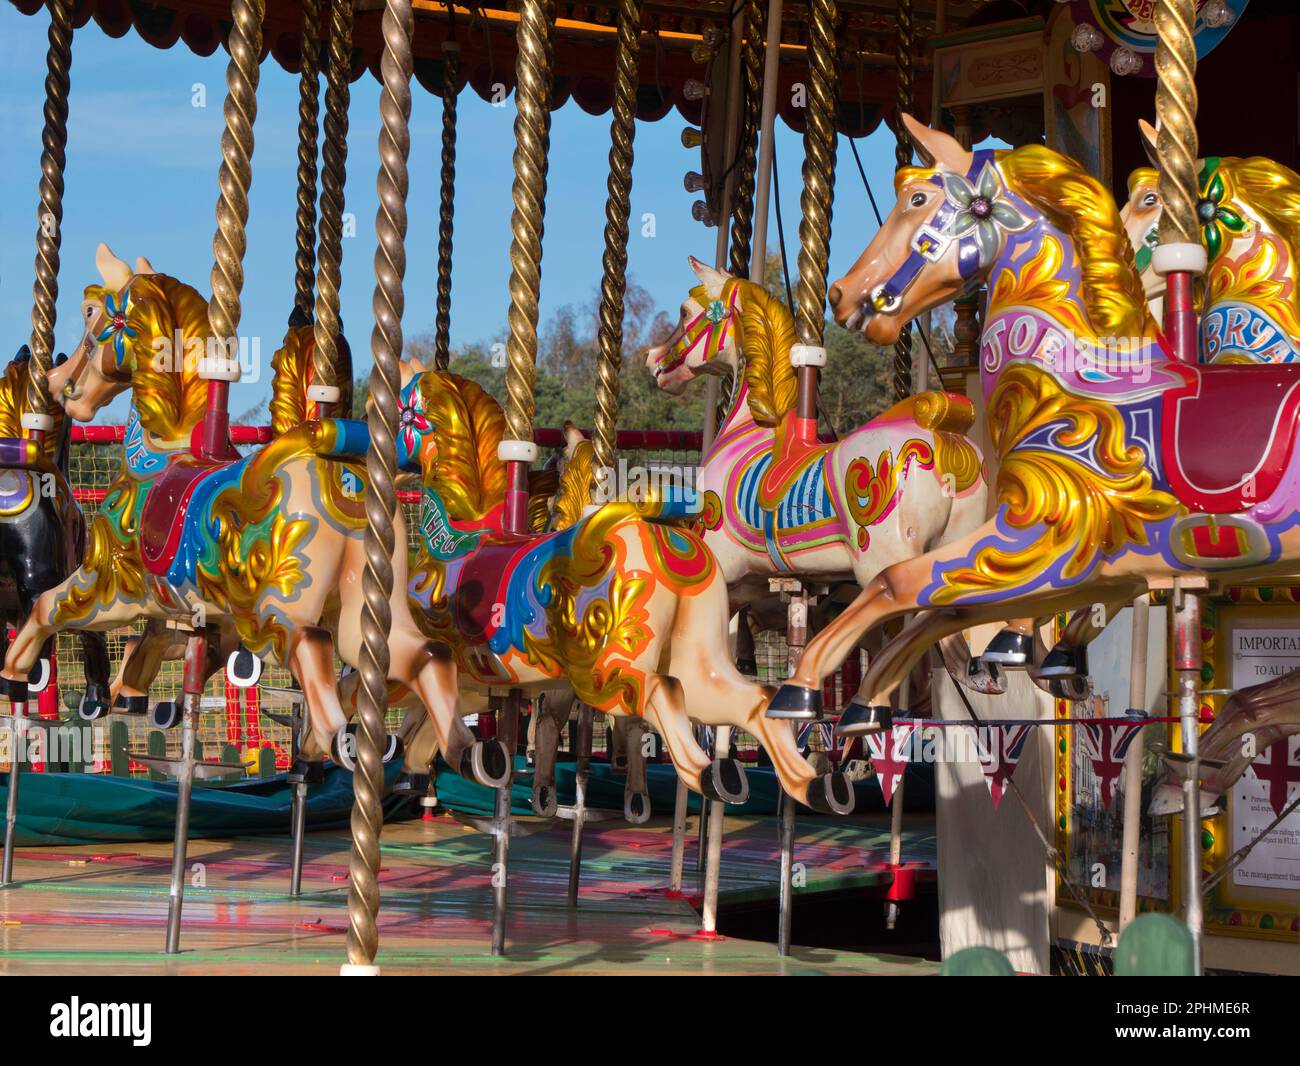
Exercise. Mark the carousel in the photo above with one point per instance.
(998, 681)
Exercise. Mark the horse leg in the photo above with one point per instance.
(636, 790)
(548, 725)
(665, 710)
(142, 658)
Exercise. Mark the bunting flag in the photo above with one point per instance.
(1105, 746)
(999, 751)
(826, 729)
(889, 755)
(1278, 768)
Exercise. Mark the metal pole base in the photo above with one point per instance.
(16, 759)
(298, 817)
(787, 877)
(581, 773)
(357, 969)
(180, 843)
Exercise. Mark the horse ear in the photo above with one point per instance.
(713, 279)
(143, 266)
(1148, 135)
(114, 272)
(936, 147)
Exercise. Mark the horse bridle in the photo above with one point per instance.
(80, 360)
(709, 326)
(931, 242)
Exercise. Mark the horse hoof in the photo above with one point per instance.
(1063, 661)
(988, 679)
(1073, 689)
(796, 702)
(545, 803)
(165, 714)
(132, 704)
(306, 772)
(1009, 648)
(89, 710)
(14, 690)
(39, 678)
(343, 749)
(636, 807)
(858, 720)
(725, 781)
(411, 784)
(830, 794)
(243, 668)
(487, 763)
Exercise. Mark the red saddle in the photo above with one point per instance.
(1227, 435)
(163, 518)
(482, 582)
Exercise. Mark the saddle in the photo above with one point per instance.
(479, 602)
(1228, 433)
(162, 522)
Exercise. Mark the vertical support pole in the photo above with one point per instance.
(767, 125)
(581, 774)
(815, 203)
(713, 868)
(446, 200)
(509, 737)
(680, 801)
(1187, 662)
(324, 389)
(195, 677)
(36, 419)
(532, 96)
(381, 490)
(896, 807)
(220, 364)
(613, 282)
(298, 805)
(742, 212)
(308, 123)
(785, 920)
(903, 156)
(1180, 256)
(1137, 703)
(17, 756)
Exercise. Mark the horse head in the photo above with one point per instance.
(145, 332)
(704, 341)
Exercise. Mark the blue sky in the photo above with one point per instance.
(142, 176)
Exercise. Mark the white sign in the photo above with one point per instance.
(1260, 655)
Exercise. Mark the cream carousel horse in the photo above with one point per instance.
(270, 543)
(1117, 464)
(631, 612)
(773, 504)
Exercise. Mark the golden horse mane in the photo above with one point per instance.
(168, 393)
(1081, 206)
(765, 337)
(13, 405)
(1271, 189)
(292, 374)
(463, 467)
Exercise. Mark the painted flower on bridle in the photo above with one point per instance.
(983, 211)
(116, 329)
(1211, 213)
(411, 422)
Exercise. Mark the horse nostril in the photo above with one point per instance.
(834, 295)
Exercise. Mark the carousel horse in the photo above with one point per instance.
(270, 542)
(42, 528)
(1118, 464)
(1268, 713)
(631, 612)
(1249, 215)
(904, 483)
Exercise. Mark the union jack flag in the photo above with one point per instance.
(1105, 745)
(889, 755)
(999, 748)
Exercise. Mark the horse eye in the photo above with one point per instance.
(1150, 200)
(918, 198)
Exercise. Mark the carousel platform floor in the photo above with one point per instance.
(96, 910)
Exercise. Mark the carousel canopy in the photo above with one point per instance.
(584, 46)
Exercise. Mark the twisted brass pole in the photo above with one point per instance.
(817, 197)
(446, 206)
(742, 212)
(903, 157)
(381, 470)
(613, 283)
(49, 222)
(329, 267)
(236, 174)
(532, 85)
(308, 120)
(1176, 101)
